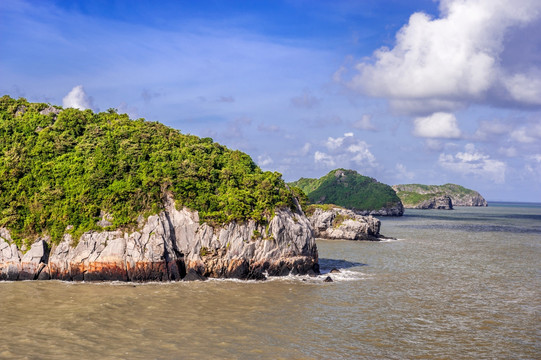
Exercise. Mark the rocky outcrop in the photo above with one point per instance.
(168, 246)
(469, 200)
(417, 196)
(395, 210)
(440, 203)
(342, 224)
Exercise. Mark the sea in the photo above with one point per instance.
(458, 284)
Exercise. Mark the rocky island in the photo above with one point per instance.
(417, 196)
(336, 223)
(347, 188)
(98, 196)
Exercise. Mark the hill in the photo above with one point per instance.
(351, 190)
(414, 194)
(76, 171)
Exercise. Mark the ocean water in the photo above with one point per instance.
(460, 284)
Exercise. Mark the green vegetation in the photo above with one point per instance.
(349, 189)
(61, 168)
(414, 194)
(310, 209)
(339, 219)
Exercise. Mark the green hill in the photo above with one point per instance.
(414, 194)
(65, 169)
(349, 189)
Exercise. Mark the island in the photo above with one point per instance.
(349, 189)
(417, 196)
(98, 196)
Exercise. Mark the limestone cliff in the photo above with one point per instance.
(439, 203)
(168, 246)
(420, 196)
(342, 224)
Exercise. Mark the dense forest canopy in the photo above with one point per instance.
(66, 169)
(349, 189)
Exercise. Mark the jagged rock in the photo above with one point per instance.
(342, 224)
(441, 203)
(50, 110)
(193, 275)
(328, 279)
(168, 246)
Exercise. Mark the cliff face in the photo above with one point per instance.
(342, 224)
(439, 203)
(170, 246)
(421, 196)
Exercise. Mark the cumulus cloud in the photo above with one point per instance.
(78, 99)
(527, 135)
(444, 63)
(346, 151)
(437, 125)
(473, 162)
(364, 123)
(306, 100)
(321, 157)
(264, 160)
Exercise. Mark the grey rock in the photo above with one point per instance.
(342, 224)
(172, 245)
(328, 279)
(440, 203)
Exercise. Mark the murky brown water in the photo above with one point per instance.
(464, 284)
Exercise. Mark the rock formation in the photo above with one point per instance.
(439, 203)
(342, 224)
(417, 196)
(167, 246)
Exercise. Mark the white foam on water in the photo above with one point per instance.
(391, 240)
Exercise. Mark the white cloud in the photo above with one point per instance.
(437, 125)
(364, 123)
(403, 173)
(305, 149)
(77, 98)
(346, 151)
(490, 129)
(473, 162)
(264, 160)
(527, 135)
(443, 63)
(323, 158)
(334, 143)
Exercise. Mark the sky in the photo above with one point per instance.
(429, 92)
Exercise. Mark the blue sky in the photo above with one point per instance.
(404, 91)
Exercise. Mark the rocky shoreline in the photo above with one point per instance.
(343, 224)
(170, 246)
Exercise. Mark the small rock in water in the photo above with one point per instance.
(328, 279)
(193, 275)
(335, 271)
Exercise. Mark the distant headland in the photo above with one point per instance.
(417, 196)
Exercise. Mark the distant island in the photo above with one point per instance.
(351, 190)
(98, 196)
(417, 196)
